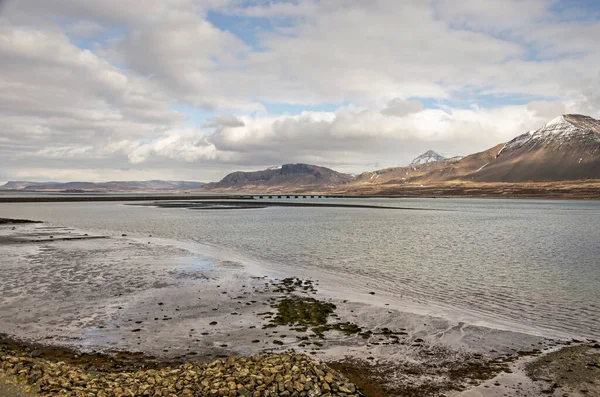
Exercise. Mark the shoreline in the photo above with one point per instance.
(46, 370)
(564, 190)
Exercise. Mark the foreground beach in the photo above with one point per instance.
(117, 304)
(48, 371)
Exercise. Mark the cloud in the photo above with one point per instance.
(497, 16)
(187, 146)
(184, 54)
(93, 87)
(355, 135)
(399, 107)
(546, 110)
(86, 29)
(223, 120)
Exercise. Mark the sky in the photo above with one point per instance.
(103, 90)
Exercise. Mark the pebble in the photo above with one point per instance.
(284, 374)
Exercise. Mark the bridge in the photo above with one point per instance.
(289, 196)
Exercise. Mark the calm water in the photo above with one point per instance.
(533, 265)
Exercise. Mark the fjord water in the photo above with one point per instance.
(527, 265)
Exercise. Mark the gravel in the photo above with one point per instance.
(283, 374)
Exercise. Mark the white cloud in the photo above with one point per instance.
(176, 145)
(93, 87)
(223, 120)
(399, 107)
(353, 135)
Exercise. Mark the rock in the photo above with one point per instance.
(286, 374)
(314, 392)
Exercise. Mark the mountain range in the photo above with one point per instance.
(113, 186)
(566, 148)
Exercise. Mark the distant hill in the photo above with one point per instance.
(114, 186)
(290, 177)
(427, 157)
(18, 185)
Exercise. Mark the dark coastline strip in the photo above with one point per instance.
(8, 221)
(205, 204)
(249, 196)
(51, 199)
(50, 240)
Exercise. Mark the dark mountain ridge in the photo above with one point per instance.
(301, 176)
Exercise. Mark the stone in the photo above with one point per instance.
(285, 374)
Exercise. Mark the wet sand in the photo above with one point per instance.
(165, 300)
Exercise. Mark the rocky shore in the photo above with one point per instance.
(285, 374)
(38, 370)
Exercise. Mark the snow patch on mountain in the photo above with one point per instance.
(482, 167)
(427, 157)
(557, 120)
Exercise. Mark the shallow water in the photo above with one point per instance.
(527, 265)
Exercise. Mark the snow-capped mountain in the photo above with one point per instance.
(563, 129)
(566, 148)
(427, 157)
